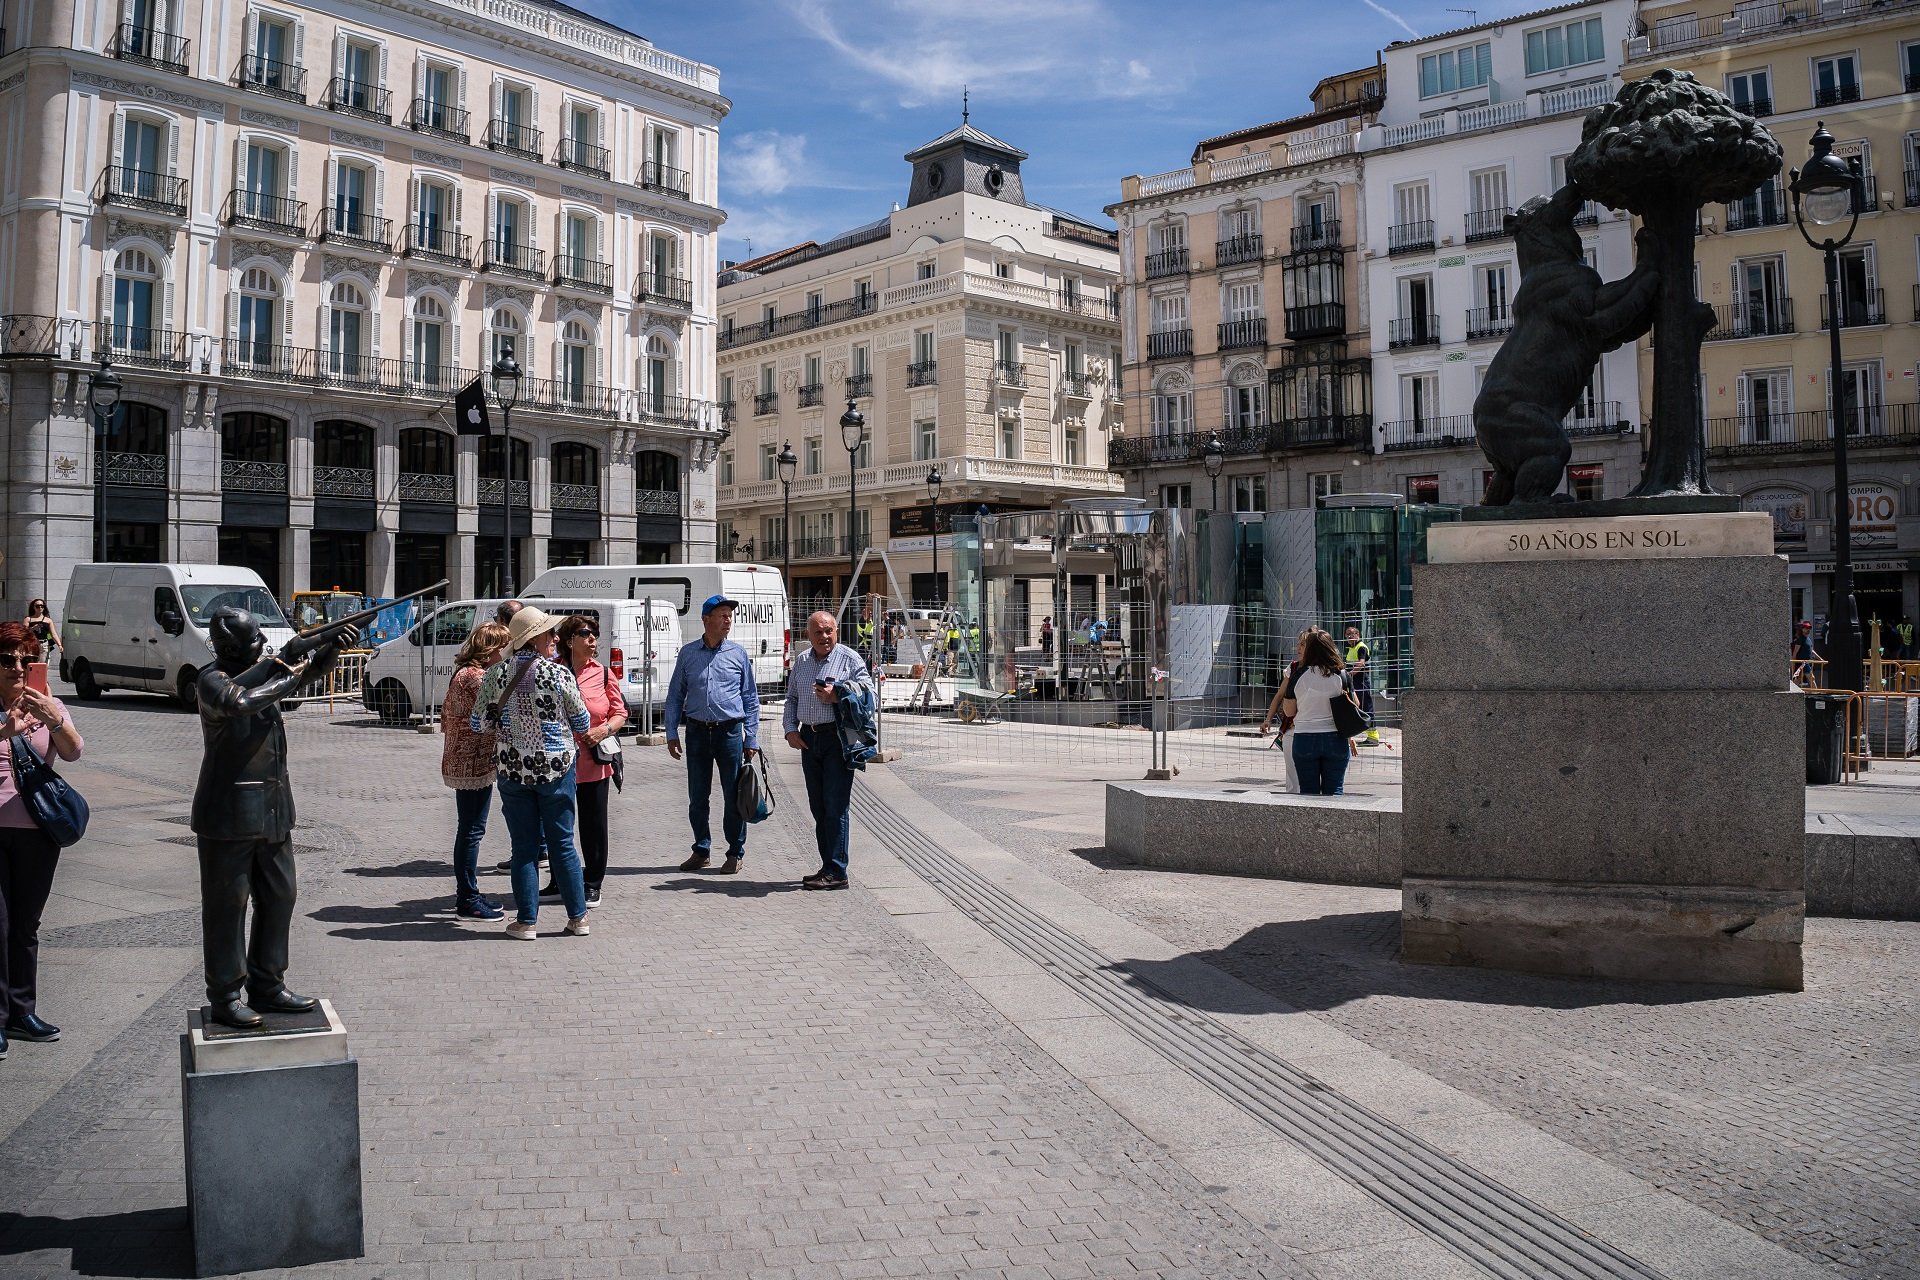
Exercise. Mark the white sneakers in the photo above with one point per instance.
(578, 927)
(521, 931)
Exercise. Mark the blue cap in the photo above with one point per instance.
(715, 602)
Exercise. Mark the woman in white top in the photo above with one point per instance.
(1319, 748)
(1285, 741)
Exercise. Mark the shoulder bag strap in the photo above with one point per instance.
(500, 706)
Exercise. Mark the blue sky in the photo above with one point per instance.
(829, 94)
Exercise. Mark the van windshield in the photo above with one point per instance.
(201, 601)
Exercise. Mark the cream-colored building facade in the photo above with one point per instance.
(1246, 314)
(1765, 366)
(296, 230)
(974, 332)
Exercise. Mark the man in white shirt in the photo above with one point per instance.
(811, 724)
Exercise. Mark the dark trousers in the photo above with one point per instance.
(590, 829)
(470, 827)
(829, 792)
(231, 872)
(27, 860)
(710, 747)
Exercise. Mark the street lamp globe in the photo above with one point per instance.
(853, 428)
(506, 379)
(104, 391)
(933, 484)
(789, 465)
(1215, 456)
(1824, 191)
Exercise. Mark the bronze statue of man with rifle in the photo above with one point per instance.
(243, 808)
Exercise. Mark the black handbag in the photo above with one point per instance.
(1348, 719)
(57, 807)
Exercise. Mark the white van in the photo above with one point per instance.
(144, 626)
(408, 675)
(760, 624)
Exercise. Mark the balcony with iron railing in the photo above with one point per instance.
(925, 373)
(360, 99)
(766, 402)
(1487, 224)
(657, 288)
(658, 409)
(131, 470)
(144, 189)
(245, 475)
(494, 492)
(727, 414)
(1077, 386)
(1489, 322)
(664, 178)
(1866, 197)
(1913, 183)
(1249, 247)
(512, 138)
(1596, 418)
(812, 395)
(351, 227)
(859, 385)
(352, 483)
(30, 335)
(260, 211)
(1772, 320)
(1087, 304)
(1167, 262)
(581, 156)
(272, 77)
(1168, 344)
(1858, 309)
(437, 244)
(1766, 207)
(1316, 320)
(1868, 426)
(1751, 21)
(521, 261)
(590, 275)
(427, 486)
(1324, 431)
(1235, 334)
(146, 47)
(1589, 215)
(141, 346)
(1836, 95)
(656, 502)
(566, 496)
(1010, 373)
(798, 321)
(1410, 237)
(1758, 106)
(439, 120)
(1447, 432)
(1311, 236)
(1413, 331)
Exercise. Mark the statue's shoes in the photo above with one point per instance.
(281, 1001)
(232, 1013)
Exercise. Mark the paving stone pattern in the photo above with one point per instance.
(727, 1077)
(1794, 1115)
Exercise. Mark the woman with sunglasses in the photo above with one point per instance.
(40, 623)
(580, 647)
(27, 855)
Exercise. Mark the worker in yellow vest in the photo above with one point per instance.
(1358, 657)
(1903, 632)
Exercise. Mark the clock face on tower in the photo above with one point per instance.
(936, 177)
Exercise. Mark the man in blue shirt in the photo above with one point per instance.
(714, 696)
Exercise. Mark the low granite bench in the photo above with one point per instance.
(1856, 865)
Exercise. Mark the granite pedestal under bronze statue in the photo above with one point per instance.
(1604, 760)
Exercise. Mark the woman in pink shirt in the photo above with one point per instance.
(580, 649)
(27, 855)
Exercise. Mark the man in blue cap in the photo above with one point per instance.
(714, 696)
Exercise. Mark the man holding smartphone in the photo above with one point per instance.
(811, 721)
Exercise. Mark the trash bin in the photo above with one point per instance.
(1826, 739)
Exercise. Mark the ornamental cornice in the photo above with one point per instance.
(119, 228)
(151, 92)
(418, 280)
(498, 174)
(332, 265)
(440, 158)
(13, 81)
(348, 138)
(272, 121)
(581, 193)
(279, 253)
(498, 293)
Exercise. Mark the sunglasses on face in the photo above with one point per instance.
(586, 635)
(16, 661)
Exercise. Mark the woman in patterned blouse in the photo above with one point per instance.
(466, 765)
(534, 709)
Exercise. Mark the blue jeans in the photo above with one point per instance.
(1321, 761)
(829, 793)
(540, 819)
(706, 746)
(469, 828)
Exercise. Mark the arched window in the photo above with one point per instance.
(656, 472)
(426, 465)
(347, 331)
(659, 375)
(429, 341)
(506, 337)
(259, 328)
(253, 437)
(576, 361)
(139, 428)
(575, 463)
(136, 280)
(337, 443)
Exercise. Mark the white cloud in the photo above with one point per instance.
(764, 163)
(767, 227)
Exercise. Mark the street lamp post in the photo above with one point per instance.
(1215, 460)
(788, 465)
(104, 395)
(1826, 194)
(506, 385)
(933, 522)
(853, 434)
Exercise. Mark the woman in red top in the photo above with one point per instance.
(27, 854)
(580, 649)
(467, 765)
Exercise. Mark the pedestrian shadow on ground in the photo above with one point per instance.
(416, 920)
(728, 886)
(147, 1242)
(1332, 960)
(421, 868)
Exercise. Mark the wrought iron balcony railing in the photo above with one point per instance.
(141, 346)
(1487, 224)
(1868, 426)
(1756, 107)
(924, 374)
(1913, 188)
(661, 409)
(522, 260)
(1076, 386)
(1835, 95)
(1601, 418)
(494, 491)
(1769, 321)
(860, 385)
(574, 497)
(30, 335)
(1766, 207)
(426, 486)
(514, 139)
(798, 321)
(1010, 373)
(1325, 235)
(269, 76)
(354, 483)
(766, 402)
(656, 502)
(812, 395)
(1240, 248)
(662, 290)
(342, 225)
(575, 272)
(1413, 331)
(438, 244)
(1087, 304)
(1169, 343)
(1489, 322)
(263, 212)
(1858, 308)
(655, 176)
(1410, 237)
(133, 470)
(439, 120)
(1316, 320)
(1243, 333)
(147, 47)
(244, 475)
(1325, 431)
(1168, 262)
(144, 189)
(1450, 432)
(358, 98)
(582, 156)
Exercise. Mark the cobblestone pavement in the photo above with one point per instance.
(1795, 1116)
(727, 1077)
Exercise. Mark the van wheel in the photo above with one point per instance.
(391, 701)
(186, 689)
(83, 682)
